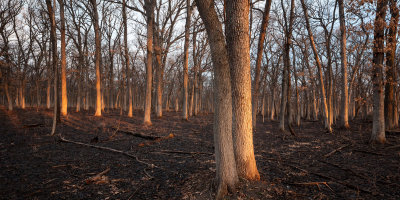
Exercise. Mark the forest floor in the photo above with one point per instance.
(179, 162)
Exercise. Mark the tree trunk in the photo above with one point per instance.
(227, 175)
(391, 75)
(344, 111)
(126, 54)
(321, 80)
(51, 10)
(237, 37)
(186, 64)
(64, 97)
(260, 50)
(378, 122)
(97, 56)
(149, 6)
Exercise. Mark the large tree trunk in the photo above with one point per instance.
(344, 111)
(186, 64)
(378, 122)
(97, 37)
(51, 10)
(319, 66)
(391, 75)
(260, 50)
(237, 37)
(227, 175)
(64, 97)
(149, 6)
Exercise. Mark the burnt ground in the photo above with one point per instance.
(180, 164)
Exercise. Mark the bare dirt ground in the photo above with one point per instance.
(109, 161)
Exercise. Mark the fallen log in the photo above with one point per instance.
(140, 135)
(62, 139)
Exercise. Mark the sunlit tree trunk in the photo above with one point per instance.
(344, 111)
(97, 56)
(319, 66)
(237, 37)
(64, 97)
(227, 175)
(391, 75)
(260, 50)
(378, 121)
(51, 10)
(149, 6)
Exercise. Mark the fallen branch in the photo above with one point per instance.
(32, 125)
(183, 152)
(393, 147)
(338, 149)
(369, 152)
(314, 183)
(147, 137)
(98, 178)
(148, 143)
(62, 139)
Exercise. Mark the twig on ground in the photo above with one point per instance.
(184, 152)
(334, 151)
(314, 183)
(62, 139)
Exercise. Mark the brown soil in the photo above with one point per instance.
(179, 162)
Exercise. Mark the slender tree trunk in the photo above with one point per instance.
(378, 122)
(391, 75)
(126, 54)
(64, 97)
(149, 6)
(186, 64)
(51, 10)
(237, 37)
(321, 80)
(226, 175)
(260, 50)
(344, 111)
(97, 57)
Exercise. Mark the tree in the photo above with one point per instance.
(95, 18)
(237, 37)
(126, 54)
(391, 119)
(319, 66)
(344, 111)
(226, 170)
(378, 121)
(64, 97)
(185, 95)
(149, 7)
(51, 10)
(260, 50)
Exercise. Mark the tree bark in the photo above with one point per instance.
(226, 171)
(378, 121)
(51, 10)
(186, 64)
(391, 75)
(260, 50)
(126, 54)
(149, 6)
(64, 97)
(97, 56)
(321, 80)
(237, 37)
(344, 111)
